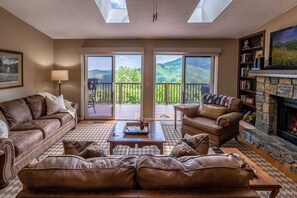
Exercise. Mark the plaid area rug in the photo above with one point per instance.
(99, 132)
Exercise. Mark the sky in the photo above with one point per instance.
(167, 58)
(130, 61)
(118, 3)
(105, 63)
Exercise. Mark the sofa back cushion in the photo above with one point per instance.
(37, 105)
(204, 172)
(73, 172)
(16, 112)
(235, 105)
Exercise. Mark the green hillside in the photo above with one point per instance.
(197, 71)
(103, 76)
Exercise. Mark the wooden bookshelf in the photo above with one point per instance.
(250, 47)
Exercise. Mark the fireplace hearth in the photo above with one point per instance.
(287, 119)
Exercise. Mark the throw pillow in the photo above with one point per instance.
(211, 111)
(55, 105)
(182, 149)
(3, 130)
(85, 149)
(191, 145)
(199, 143)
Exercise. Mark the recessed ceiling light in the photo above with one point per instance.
(113, 11)
(208, 10)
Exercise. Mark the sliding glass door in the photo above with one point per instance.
(113, 86)
(99, 87)
(180, 79)
(197, 78)
(168, 85)
(128, 88)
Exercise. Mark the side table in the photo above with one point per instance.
(180, 108)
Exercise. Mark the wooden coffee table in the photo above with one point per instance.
(262, 181)
(155, 137)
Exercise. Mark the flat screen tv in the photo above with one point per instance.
(283, 49)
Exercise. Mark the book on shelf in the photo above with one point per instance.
(245, 85)
(246, 58)
(242, 97)
(244, 72)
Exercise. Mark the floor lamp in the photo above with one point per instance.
(59, 75)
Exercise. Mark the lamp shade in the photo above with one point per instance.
(59, 75)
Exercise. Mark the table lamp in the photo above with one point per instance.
(59, 75)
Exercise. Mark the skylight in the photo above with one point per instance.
(113, 11)
(208, 10)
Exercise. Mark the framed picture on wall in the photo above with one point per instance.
(11, 69)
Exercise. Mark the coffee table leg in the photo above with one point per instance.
(160, 147)
(274, 193)
(111, 147)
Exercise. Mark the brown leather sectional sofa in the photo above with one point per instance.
(31, 133)
(144, 176)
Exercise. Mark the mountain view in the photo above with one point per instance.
(197, 71)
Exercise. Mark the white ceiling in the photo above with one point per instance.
(81, 19)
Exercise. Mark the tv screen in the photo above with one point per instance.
(283, 49)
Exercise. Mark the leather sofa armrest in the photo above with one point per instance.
(229, 119)
(7, 157)
(191, 111)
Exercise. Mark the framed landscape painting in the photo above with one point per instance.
(11, 69)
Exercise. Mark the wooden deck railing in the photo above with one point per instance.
(165, 93)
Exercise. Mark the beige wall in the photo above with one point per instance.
(285, 20)
(38, 57)
(67, 55)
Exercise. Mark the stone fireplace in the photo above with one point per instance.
(269, 90)
(276, 111)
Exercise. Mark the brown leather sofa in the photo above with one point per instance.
(31, 133)
(144, 176)
(219, 131)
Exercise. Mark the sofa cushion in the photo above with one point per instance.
(203, 172)
(16, 112)
(211, 111)
(73, 172)
(23, 140)
(235, 105)
(47, 126)
(63, 117)
(37, 105)
(204, 124)
(85, 149)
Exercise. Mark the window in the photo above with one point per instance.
(208, 10)
(113, 11)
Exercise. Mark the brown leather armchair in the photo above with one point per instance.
(221, 130)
